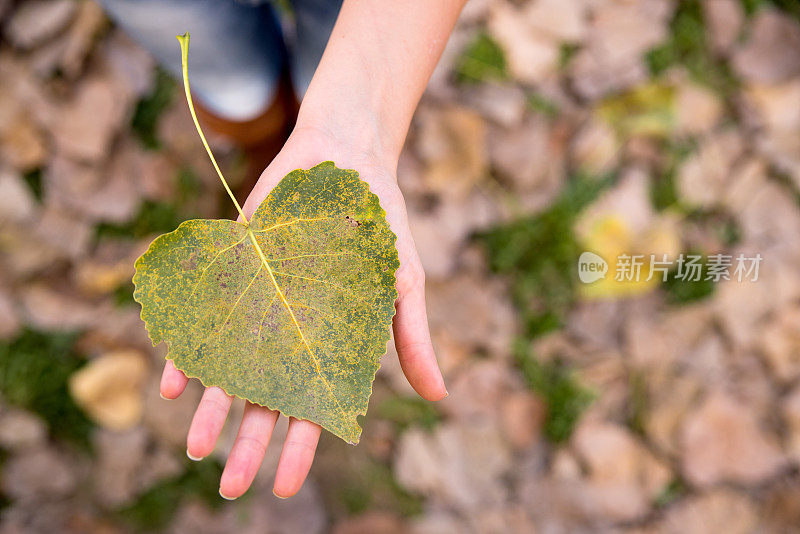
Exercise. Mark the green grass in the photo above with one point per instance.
(152, 218)
(538, 254)
(34, 370)
(155, 508)
(566, 52)
(687, 46)
(157, 217)
(565, 397)
(375, 488)
(540, 104)
(408, 411)
(34, 180)
(680, 291)
(123, 295)
(672, 492)
(148, 110)
(663, 188)
(792, 7)
(482, 60)
(637, 402)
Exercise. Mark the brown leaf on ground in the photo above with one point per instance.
(20, 430)
(619, 35)
(698, 109)
(49, 309)
(17, 204)
(522, 417)
(703, 177)
(462, 466)
(763, 57)
(531, 54)
(22, 144)
(452, 142)
(719, 511)
(109, 388)
(722, 441)
(790, 411)
(503, 104)
(35, 21)
(39, 473)
(98, 193)
(371, 523)
(86, 124)
(528, 156)
(623, 476)
(780, 344)
(724, 19)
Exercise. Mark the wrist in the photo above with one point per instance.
(347, 133)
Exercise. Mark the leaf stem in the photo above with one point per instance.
(184, 42)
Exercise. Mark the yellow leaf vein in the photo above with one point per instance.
(280, 273)
(294, 221)
(300, 332)
(214, 259)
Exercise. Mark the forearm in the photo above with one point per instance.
(374, 70)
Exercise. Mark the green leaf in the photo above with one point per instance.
(291, 310)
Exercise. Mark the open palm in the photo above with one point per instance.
(304, 149)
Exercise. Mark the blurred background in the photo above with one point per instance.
(550, 127)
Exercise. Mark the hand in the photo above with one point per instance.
(305, 148)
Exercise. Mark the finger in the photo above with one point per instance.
(248, 450)
(173, 381)
(207, 423)
(414, 348)
(296, 457)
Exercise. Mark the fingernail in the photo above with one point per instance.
(225, 496)
(278, 496)
(446, 394)
(162, 396)
(193, 458)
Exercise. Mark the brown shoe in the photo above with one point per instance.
(260, 138)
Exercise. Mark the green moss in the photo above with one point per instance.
(148, 110)
(34, 370)
(408, 411)
(680, 291)
(189, 186)
(158, 217)
(687, 46)
(663, 188)
(123, 295)
(152, 218)
(792, 7)
(540, 104)
(671, 493)
(566, 52)
(637, 402)
(374, 487)
(566, 398)
(538, 255)
(34, 180)
(155, 508)
(482, 60)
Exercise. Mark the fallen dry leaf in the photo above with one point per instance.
(109, 388)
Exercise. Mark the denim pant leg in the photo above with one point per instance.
(236, 54)
(314, 21)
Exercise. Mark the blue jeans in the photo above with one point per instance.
(238, 49)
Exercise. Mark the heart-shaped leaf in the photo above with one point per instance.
(290, 311)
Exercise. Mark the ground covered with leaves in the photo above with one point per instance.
(551, 127)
